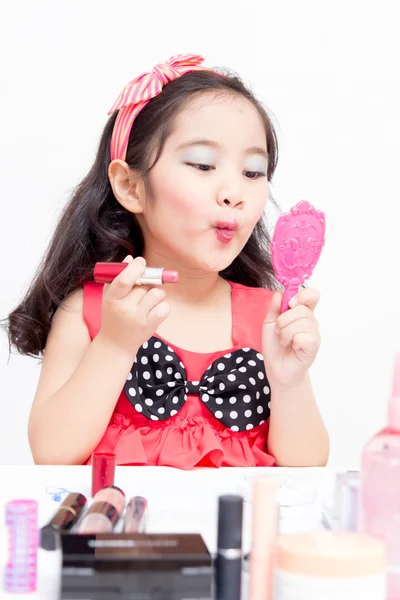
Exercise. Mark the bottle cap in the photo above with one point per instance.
(230, 519)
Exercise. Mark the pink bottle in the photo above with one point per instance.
(379, 513)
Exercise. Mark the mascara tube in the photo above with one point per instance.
(229, 552)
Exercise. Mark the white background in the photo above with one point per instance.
(327, 71)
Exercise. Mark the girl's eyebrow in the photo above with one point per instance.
(211, 144)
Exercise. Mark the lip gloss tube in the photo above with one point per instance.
(100, 518)
(135, 515)
(108, 505)
(106, 272)
(229, 552)
(113, 495)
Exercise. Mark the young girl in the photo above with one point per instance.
(203, 372)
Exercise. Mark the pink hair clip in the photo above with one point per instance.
(296, 247)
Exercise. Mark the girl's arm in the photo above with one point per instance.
(297, 435)
(81, 380)
(78, 388)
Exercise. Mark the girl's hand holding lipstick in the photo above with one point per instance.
(131, 313)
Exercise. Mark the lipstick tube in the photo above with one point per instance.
(106, 272)
(63, 520)
(229, 552)
(103, 470)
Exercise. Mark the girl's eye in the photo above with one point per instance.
(254, 174)
(201, 167)
(206, 168)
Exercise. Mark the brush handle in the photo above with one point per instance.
(288, 294)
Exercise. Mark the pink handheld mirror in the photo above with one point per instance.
(296, 247)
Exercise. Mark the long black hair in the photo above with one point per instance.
(95, 227)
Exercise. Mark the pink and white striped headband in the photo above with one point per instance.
(140, 91)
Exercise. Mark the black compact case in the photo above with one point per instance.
(140, 566)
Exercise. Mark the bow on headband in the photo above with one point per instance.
(140, 91)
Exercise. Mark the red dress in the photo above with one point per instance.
(193, 436)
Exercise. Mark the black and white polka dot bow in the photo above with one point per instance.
(234, 387)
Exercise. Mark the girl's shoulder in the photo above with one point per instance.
(68, 328)
(68, 317)
(72, 303)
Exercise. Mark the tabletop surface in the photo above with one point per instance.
(178, 501)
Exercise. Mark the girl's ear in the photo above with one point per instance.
(126, 185)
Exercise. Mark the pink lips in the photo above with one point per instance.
(225, 230)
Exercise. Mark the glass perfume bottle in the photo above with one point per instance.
(379, 508)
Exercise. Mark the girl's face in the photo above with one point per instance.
(210, 186)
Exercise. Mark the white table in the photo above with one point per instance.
(179, 501)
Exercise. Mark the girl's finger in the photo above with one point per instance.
(150, 299)
(306, 297)
(125, 281)
(287, 334)
(158, 314)
(293, 315)
(306, 344)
